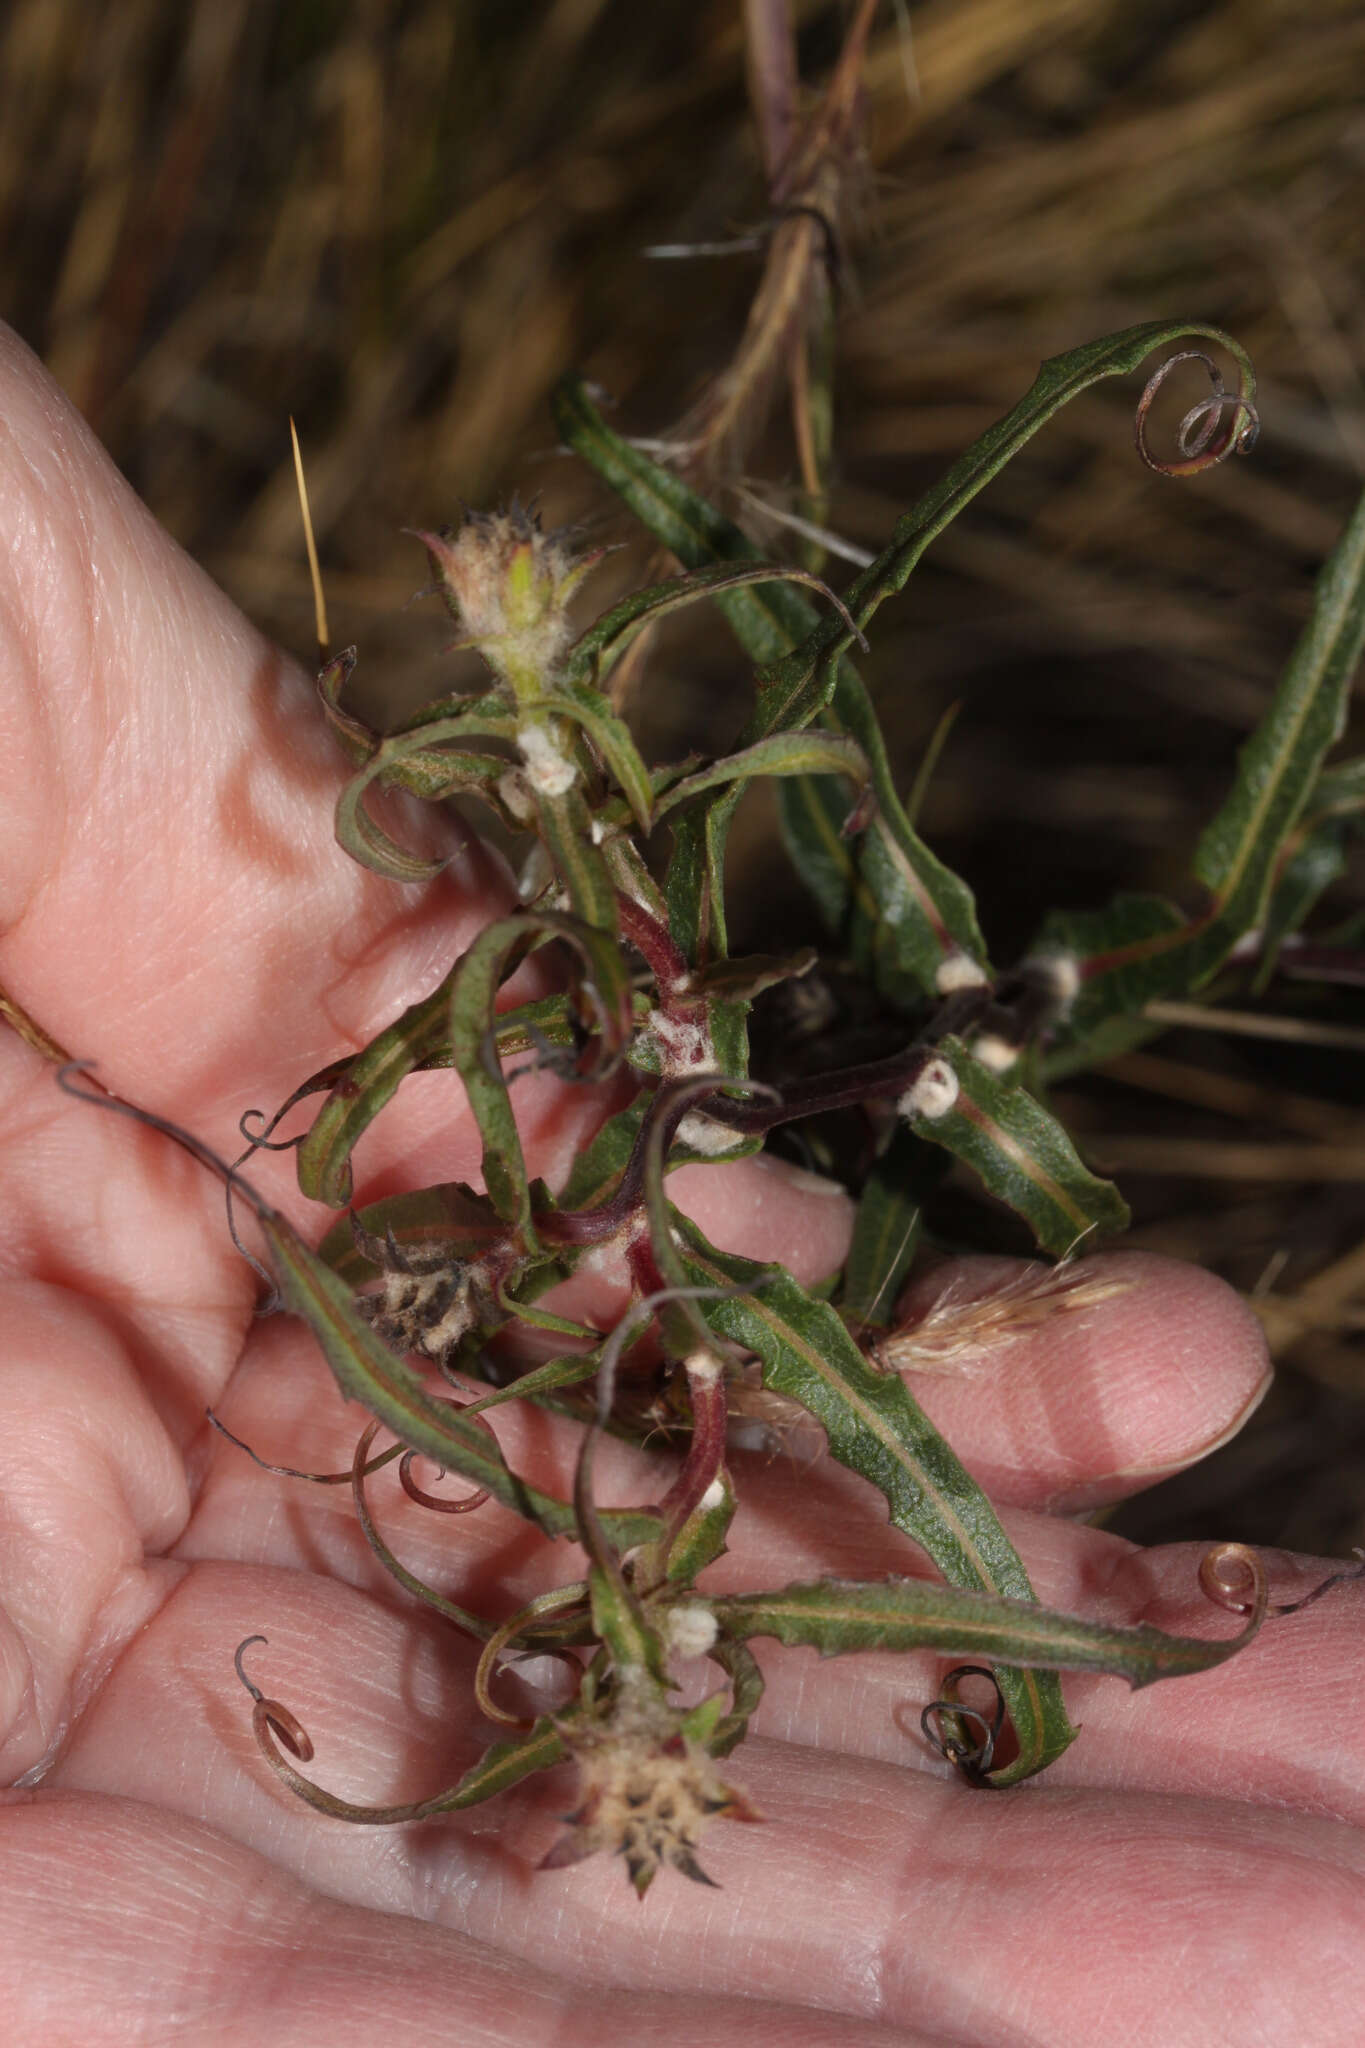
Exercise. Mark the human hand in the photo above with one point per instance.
(174, 908)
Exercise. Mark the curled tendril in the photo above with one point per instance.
(433, 1500)
(1231, 1572)
(259, 1138)
(1203, 439)
(972, 1760)
(269, 1714)
(470, 1624)
(272, 1723)
(562, 1600)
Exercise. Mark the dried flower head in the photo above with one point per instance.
(647, 1786)
(427, 1300)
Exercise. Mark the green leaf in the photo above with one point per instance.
(426, 761)
(701, 1539)
(886, 1234)
(367, 1371)
(790, 753)
(1022, 1155)
(743, 978)
(618, 1620)
(694, 889)
(1124, 953)
(1130, 955)
(449, 1217)
(505, 1764)
(835, 1616)
(566, 833)
(542, 1382)
(810, 814)
(596, 1172)
(875, 1427)
(362, 1085)
(794, 688)
(603, 994)
(929, 909)
(371, 1080)
(610, 736)
(1277, 768)
(608, 637)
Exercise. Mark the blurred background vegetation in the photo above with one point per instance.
(401, 220)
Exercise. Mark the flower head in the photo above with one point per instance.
(508, 584)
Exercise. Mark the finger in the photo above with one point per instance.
(871, 1891)
(173, 1925)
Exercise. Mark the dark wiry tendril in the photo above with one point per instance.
(1199, 439)
(972, 1760)
(234, 1181)
(292, 1472)
(259, 1139)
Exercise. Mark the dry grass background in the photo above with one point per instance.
(402, 219)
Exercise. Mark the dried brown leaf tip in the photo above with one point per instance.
(647, 1786)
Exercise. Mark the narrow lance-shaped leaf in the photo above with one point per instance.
(1022, 1154)
(807, 675)
(1238, 855)
(419, 1038)
(605, 995)
(788, 753)
(929, 910)
(427, 761)
(596, 1171)
(367, 1371)
(875, 1427)
(608, 637)
(885, 1239)
(324, 1162)
(836, 1616)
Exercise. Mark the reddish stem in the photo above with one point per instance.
(655, 944)
(705, 1459)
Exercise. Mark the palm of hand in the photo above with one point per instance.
(173, 907)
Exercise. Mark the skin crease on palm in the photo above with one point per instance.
(173, 906)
